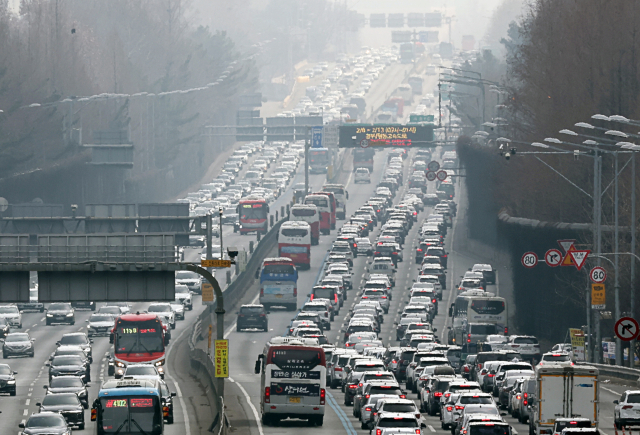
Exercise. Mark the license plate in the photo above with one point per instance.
(279, 296)
(294, 399)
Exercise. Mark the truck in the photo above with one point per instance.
(407, 53)
(564, 391)
(394, 105)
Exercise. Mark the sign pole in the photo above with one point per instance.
(306, 162)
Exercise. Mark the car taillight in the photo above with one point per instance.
(367, 409)
(261, 292)
(459, 408)
(378, 431)
(444, 256)
(366, 396)
(506, 330)
(384, 297)
(263, 315)
(295, 291)
(437, 394)
(360, 384)
(449, 408)
(419, 250)
(322, 396)
(394, 253)
(311, 297)
(417, 415)
(165, 411)
(267, 395)
(525, 402)
(627, 407)
(479, 365)
(433, 300)
(518, 397)
(466, 369)
(393, 361)
(352, 386)
(355, 245)
(402, 396)
(376, 253)
(335, 298)
(468, 338)
(94, 414)
(337, 369)
(490, 375)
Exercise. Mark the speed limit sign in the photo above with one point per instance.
(529, 260)
(598, 275)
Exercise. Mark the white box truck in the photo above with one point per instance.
(564, 391)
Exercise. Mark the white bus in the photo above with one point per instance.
(294, 242)
(341, 195)
(308, 213)
(474, 307)
(293, 376)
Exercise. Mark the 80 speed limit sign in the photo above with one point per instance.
(598, 274)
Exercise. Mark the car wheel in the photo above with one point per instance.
(73, 322)
(444, 426)
(266, 328)
(81, 426)
(20, 326)
(618, 425)
(12, 393)
(170, 420)
(4, 355)
(238, 328)
(173, 326)
(328, 328)
(31, 355)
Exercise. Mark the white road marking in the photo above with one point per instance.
(27, 402)
(433, 430)
(42, 320)
(185, 413)
(251, 405)
(609, 390)
(25, 412)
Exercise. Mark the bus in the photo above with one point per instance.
(293, 374)
(138, 339)
(308, 213)
(407, 53)
(279, 283)
(129, 406)
(416, 84)
(253, 214)
(294, 241)
(332, 204)
(324, 209)
(318, 160)
(341, 196)
(477, 306)
(363, 158)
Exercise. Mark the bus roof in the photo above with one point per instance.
(304, 206)
(318, 149)
(129, 387)
(295, 224)
(277, 260)
(137, 317)
(252, 198)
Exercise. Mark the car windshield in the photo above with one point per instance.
(70, 352)
(66, 382)
(251, 310)
(74, 339)
(110, 310)
(59, 307)
(9, 310)
(66, 360)
(60, 399)
(465, 400)
(46, 421)
(399, 407)
(11, 338)
(159, 308)
(571, 423)
(186, 275)
(633, 398)
(398, 422)
(489, 429)
(5, 370)
(100, 318)
(326, 293)
(525, 340)
(557, 357)
(141, 371)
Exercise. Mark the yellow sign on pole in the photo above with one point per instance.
(577, 343)
(207, 293)
(215, 263)
(598, 299)
(221, 358)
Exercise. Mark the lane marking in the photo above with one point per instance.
(253, 408)
(433, 430)
(346, 423)
(27, 402)
(609, 390)
(185, 413)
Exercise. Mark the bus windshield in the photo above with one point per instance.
(319, 202)
(278, 269)
(141, 337)
(294, 232)
(303, 212)
(130, 415)
(253, 211)
(300, 359)
(487, 307)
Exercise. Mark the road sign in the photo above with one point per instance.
(433, 166)
(364, 143)
(387, 135)
(431, 175)
(442, 175)
(598, 297)
(579, 258)
(4, 204)
(316, 137)
(207, 293)
(626, 328)
(567, 244)
(598, 274)
(215, 263)
(553, 257)
(568, 259)
(221, 358)
(529, 260)
(421, 118)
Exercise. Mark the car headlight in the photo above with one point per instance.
(120, 364)
(70, 314)
(49, 315)
(159, 363)
(11, 382)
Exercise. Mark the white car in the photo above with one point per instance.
(178, 309)
(144, 371)
(100, 324)
(183, 296)
(12, 314)
(164, 310)
(362, 176)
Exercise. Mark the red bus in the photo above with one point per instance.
(324, 209)
(139, 339)
(308, 213)
(253, 215)
(333, 204)
(363, 158)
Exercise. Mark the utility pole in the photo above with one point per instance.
(617, 277)
(632, 345)
(306, 161)
(220, 229)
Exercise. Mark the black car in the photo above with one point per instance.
(66, 404)
(385, 249)
(69, 365)
(69, 384)
(18, 344)
(84, 305)
(50, 423)
(167, 402)
(60, 312)
(71, 350)
(77, 339)
(252, 316)
(7, 380)
(5, 327)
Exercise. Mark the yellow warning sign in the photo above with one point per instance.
(215, 263)
(207, 293)
(221, 358)
(598, 296)
(568, 259)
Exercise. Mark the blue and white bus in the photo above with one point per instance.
(129, 407)
(279, 283)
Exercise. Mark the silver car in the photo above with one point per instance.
(18, 344)
(12, 314)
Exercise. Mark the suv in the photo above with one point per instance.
(79, 339)
(252, 316)
(12, 314)
(487, 271)
(386, 249)
(362, 176)
(526, 345)
(164, 310)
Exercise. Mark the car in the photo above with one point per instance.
(471, 398)
(560, 358)
(183, 295)
(77, 339)
(487, 270)
(252, 316)
(60, 312)
(178, 309)
(167, 401)
(69, 365)
(5, 327)
(526, 345)
(84, 305)
(362, 175)
(563, 423)
(12, 314)
(192, 280)
(507, 383)
(18, 344)
(66, 404)
(142, 371)
(7, 380)
(396, 421)
(69, 384)
(474, 413)
(71, 350)
(164, 310)
(111, 310)
(627, 409)
(50, 423)
(99, 324)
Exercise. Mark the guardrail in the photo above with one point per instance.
(619, 372)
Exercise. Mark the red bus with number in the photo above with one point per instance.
(138, 339)
(253, 215)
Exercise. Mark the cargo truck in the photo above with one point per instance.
(563, 391)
